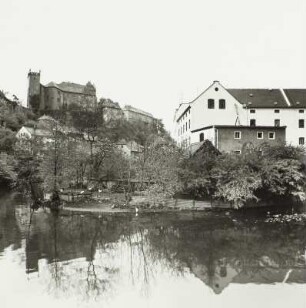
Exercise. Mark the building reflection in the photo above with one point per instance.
(98, 251)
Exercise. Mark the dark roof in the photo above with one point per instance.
(73, 87)
(184, 112)
(133, 109)
(297, 97)
(238, 126)
(259, 98)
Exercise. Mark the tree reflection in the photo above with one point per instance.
(92, 255)
(9, 231)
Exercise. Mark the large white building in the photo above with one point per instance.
(241, 107)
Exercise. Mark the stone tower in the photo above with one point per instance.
(33, 90)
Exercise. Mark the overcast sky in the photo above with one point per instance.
(153, 54)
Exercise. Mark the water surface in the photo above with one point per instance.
(149, 260)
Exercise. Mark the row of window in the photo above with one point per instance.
(260, 135)
(301, 122)
(275, 111)
(184, 128)
(237, 135)
(211, 103)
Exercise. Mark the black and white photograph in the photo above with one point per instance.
(152, 153)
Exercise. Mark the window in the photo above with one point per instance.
(301, 123)
(271, 135)
(211, 103)
(189, 124)
(252, 111)
(237, 135)
(277, 122)
(259, 135)
(201, 137)
(221, 103)
(276, 110)
(186, 126)
(301, 141)
(237, 152)
(252, 122)
(216, 89)
(301, 111)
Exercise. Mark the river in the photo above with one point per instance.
(199, 259)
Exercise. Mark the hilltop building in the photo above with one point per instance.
(230, 118)
(134, 114)
(55, 96)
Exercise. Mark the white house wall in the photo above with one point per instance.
(23, 133)
(183, 126)
(202, 116)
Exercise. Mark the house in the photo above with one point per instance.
(29, 132)
(134, 114)
(233, 138)
(130, 149)
(43, 129)
(264, 109)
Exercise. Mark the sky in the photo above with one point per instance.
(153, 54)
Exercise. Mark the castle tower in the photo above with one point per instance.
(33, 101)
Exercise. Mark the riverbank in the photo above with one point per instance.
(117, 203)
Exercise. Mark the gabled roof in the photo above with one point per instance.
(71, 87)
(297, 97)
(259, 98)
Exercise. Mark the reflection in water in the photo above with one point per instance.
(97, 256)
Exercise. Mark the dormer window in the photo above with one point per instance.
(211, 103)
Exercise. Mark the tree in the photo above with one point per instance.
(7, 140)
(54, 156)
(235, 181)
(8, 176)
(158, 166)
(196, 171)
(27, 167)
